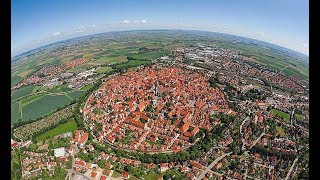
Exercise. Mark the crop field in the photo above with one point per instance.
(284, 115)
(37, 106)
(25, 73)
(101, 70)
(75, 94)
(111, 60)
(14, 108)
(27, 100)
(26, 131)
(86, 87)
(22, 92)
(132, 64)
(150, 55)
(69, 126)
(81, 67)
(64, 88)
(15, 79)
(43, 106)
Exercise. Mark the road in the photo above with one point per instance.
(174, 139)
(211, 165)
(247, 118)
(291, 168)
(292, 116)
(257, 140)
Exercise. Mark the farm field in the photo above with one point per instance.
(26, 131)
(132, 63)
(101, 70)
(15, 79)
(22, 92)
(86, 87)
(150, 55)
(43, 106)
(69, 126)
(280, 113)
(107, 60)
(75, 94)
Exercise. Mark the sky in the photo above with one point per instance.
(35, 23)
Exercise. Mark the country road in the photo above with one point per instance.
(247, 118)
(257, 140)
(211, 165)
(291, 168)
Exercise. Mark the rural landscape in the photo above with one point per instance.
(160, 104)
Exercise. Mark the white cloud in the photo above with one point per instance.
(144, 21)
(56, 34)
(125, 21)
(93, 25)
(305, 45)
(79, 31)
(260, 33)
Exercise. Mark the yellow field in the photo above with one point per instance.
(25, 73)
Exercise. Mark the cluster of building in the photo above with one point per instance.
(234, 64)
(48, 75)
(34, 163)
(160, 107)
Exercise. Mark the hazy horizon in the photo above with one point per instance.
(37, 23)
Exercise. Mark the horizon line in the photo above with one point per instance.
(67, 39)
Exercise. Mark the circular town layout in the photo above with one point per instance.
(157, 109)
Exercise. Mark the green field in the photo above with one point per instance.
(14, 108)
(39, 107)
(104, 70)
(150, 55)
(69, 126)
(152, 175)
(15, 79)
(22, 92)
(64, 88)
(86, 87)
(280, 113)
(30, 99)
(108, 60)
(75, 94)
(132, 63)
(280, 131)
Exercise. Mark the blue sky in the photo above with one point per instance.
(38, 22)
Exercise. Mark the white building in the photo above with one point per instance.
(59, 152)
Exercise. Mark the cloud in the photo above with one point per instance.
(79, 31)
(56, 34)
(260, 33)
(93, 25)
(306, 45)
(144, 21)
(125, 21)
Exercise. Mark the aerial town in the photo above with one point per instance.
(200, 112)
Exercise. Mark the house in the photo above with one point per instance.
(125, 175)
(59, 152)
(164, 167)
(83, 139)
